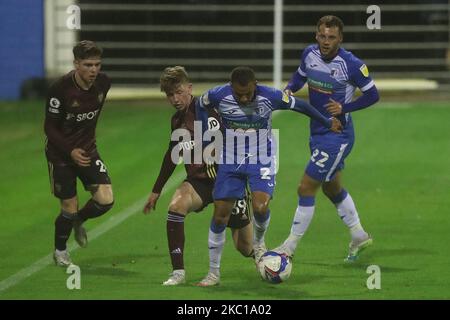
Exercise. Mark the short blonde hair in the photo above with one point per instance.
(172, 78)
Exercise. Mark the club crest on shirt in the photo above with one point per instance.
(75, 104)
(364, 70)
(334, 73)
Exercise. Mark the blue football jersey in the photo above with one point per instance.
(336, 79)
(253, 118)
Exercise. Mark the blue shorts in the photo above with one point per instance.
(327, 156)
(232, 178)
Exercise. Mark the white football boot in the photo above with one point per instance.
(210, 280)
(259, 250)
(176, 277)
(357, 246)
(62, 258)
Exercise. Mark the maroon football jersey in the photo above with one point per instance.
(184, 119)
(72, 114)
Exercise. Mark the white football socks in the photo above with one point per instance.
(260, 225)
(216, 242)
(347, 211)
(302, 219)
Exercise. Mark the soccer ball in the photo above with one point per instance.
(275, 267)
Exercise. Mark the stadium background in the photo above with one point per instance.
(398, 172)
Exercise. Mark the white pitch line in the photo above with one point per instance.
(112, 222)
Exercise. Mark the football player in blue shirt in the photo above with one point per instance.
(245, 108)
(332, 74)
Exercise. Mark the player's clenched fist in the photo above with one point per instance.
(336, 125)
(334, 107)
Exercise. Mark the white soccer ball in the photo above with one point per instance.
(275, 267)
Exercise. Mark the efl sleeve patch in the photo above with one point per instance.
(364, 70)
(205, 99)
(285, 98)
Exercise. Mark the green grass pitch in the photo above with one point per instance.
(398, 174)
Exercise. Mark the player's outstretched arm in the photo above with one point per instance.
(167, 168)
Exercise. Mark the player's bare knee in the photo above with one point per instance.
(179, 207)
(221, 217)
(70, 205)
(306, 190)
(331, 191)
(260, 208)
(223, 220)
(103, 194)
(326, 190)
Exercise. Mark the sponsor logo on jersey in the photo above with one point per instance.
(213, 124)
(186, 145)
(86, 116)
(54, 103)
(244, 125)
(320, 86)
(364, 70)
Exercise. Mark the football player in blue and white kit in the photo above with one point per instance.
(332, 74)
(245, 108)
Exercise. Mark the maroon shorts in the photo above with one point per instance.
(63, 176)
(240, 215)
